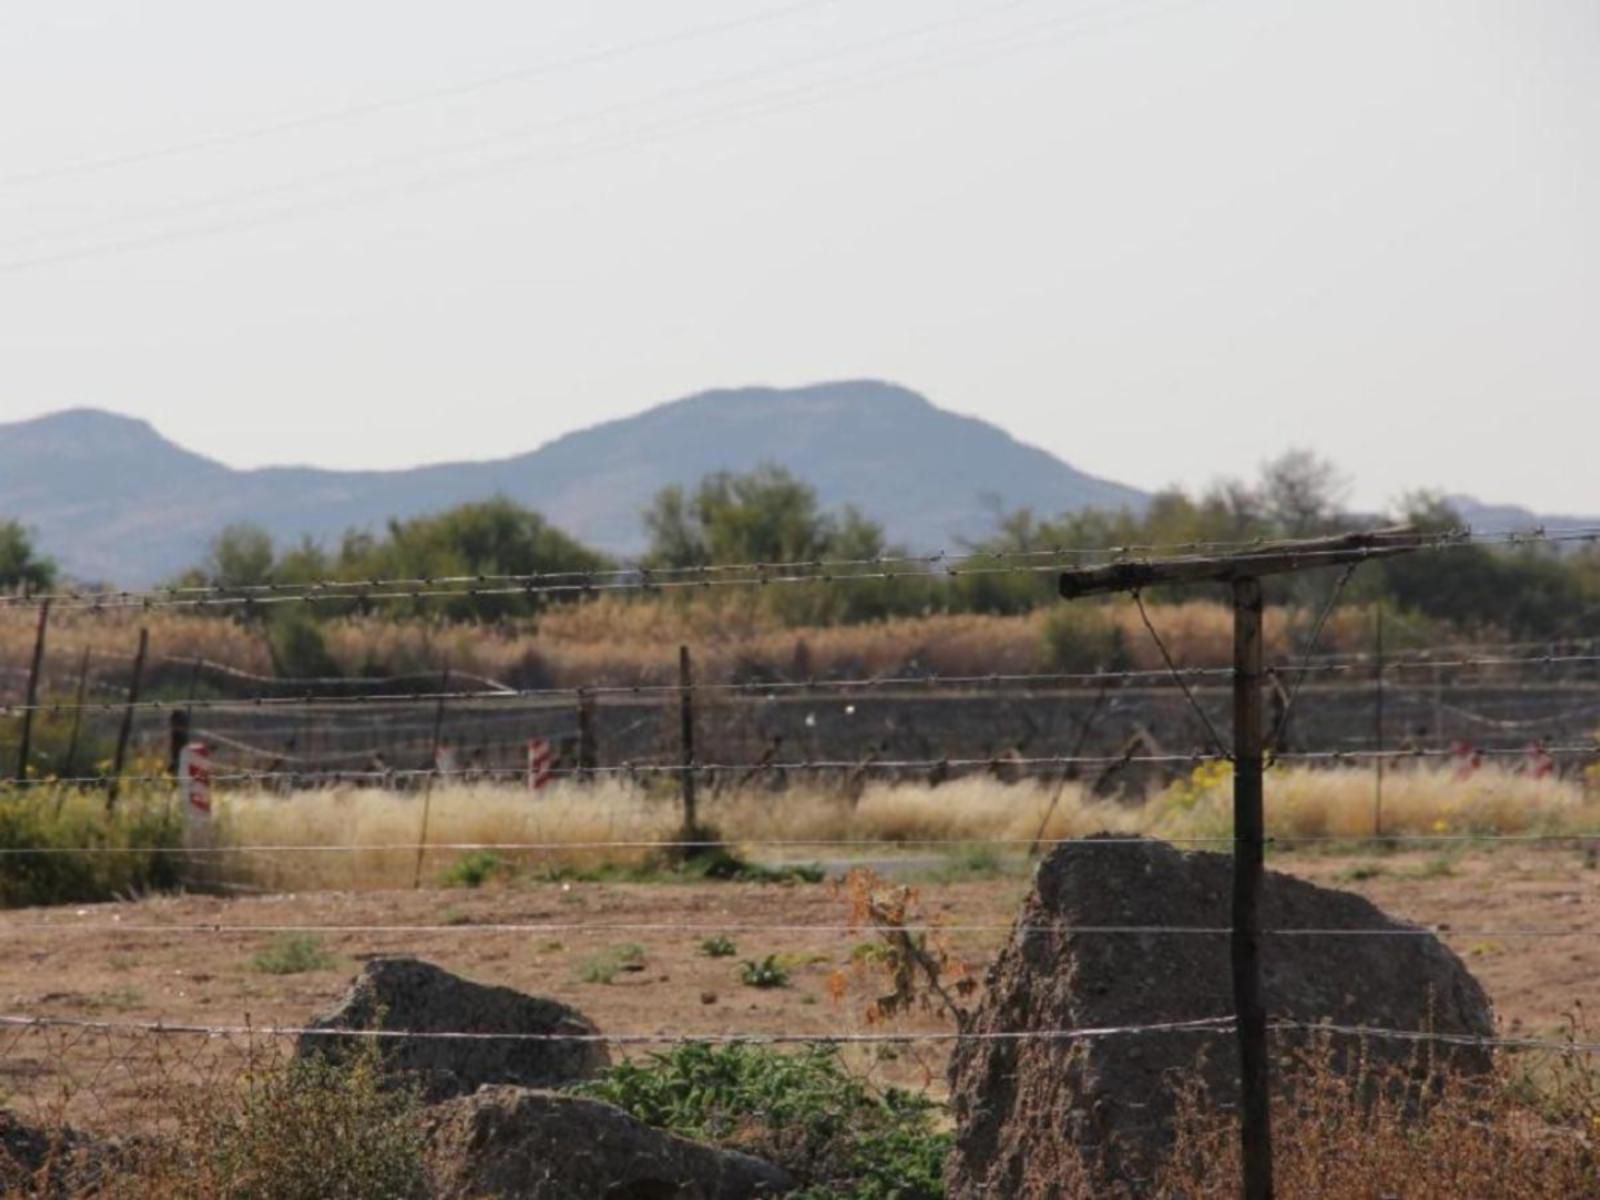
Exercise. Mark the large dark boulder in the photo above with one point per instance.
(509, 1143)
(1039, 1109)
(407, 994)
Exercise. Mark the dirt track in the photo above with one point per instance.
(147, 960)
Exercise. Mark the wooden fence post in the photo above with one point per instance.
(1249, 843)
(26, 743)
(1377, 720)
(691, 826)
(433, 770)
(588, 754)
(69, 766)
(113, 785)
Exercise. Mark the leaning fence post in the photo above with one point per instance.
(113, 784)
(1248, 851)
(26, 743)
(691, 826)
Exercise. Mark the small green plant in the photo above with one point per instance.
(836, 1134)
(293, 954)
(768, 973)
(474, 869)
(720, 946)
(611, 962)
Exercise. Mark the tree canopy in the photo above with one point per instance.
(22, 567)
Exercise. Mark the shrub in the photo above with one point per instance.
(293, 954)
(305, 1130)
(1083, 637)
(474, 869)
(84, 853)
(804, 1111)
(721, 946)
(768, 973)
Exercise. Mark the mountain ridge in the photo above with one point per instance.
(114, 500)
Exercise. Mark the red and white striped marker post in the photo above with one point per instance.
(194, 783)
(538, 763)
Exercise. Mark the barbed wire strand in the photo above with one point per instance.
(1210, 1025)
(1584, 838)
(689, 929)
(601, 581)
(601, 691)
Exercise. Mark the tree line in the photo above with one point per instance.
(767, 515)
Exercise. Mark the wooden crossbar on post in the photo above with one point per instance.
(1243, 571)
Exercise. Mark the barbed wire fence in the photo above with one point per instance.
(1481, 704)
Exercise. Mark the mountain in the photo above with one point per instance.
(1501, 518)
(112, 500)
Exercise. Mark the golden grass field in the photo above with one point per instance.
(612, 822)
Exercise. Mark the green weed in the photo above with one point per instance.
(293, 954)
(720, 946)
(768, 973)
(805, 1111)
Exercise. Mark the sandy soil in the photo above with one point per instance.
(149, 960)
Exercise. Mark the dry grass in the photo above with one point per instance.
(585, 826)
(624, 640)
(239, 1120)
(1381, 1135)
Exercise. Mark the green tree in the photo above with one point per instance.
(764, 515)
(768, 516)
(241, 556)
(21, 565)
(490, 538)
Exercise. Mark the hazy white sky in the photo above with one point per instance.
(1161, 238)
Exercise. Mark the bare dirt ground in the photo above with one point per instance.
(189, 959)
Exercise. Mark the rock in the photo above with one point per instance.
(408, 994)
(510, 1143)
(1038, 1108)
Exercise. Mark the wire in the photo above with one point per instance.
(311, 700)
(354, 111)
(1204, 1025)
(1172, 669)
(1207, 1025)
(1030, 765)
(606, 928)
(754, 576)
(1583, 837)
(1281, 725)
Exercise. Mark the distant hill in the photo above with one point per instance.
(112, 500)
(1500, 518)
